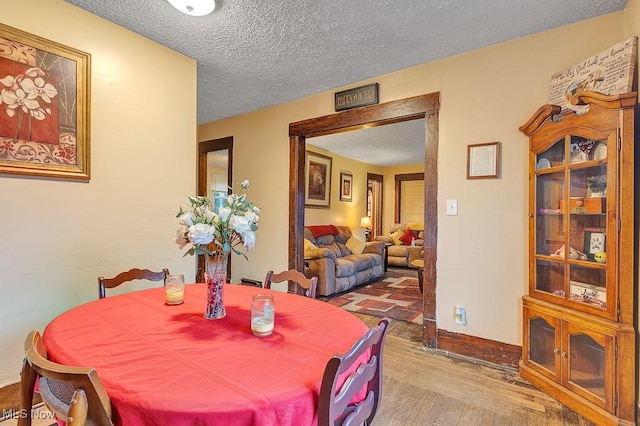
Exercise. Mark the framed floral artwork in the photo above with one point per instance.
(346, 187)
(317, 192)
(44, 107)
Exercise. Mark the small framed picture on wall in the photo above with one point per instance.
(318, 185)
(346, 186)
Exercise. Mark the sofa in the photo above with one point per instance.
(404, 242)
(340, 260)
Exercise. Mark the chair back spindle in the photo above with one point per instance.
(130, 275)
(298, 282)
(335, 406)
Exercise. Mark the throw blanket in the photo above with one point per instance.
(320, 230)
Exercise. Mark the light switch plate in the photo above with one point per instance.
(452, 207)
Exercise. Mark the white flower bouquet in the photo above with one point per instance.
(232, 227)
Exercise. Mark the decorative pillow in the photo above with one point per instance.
(355, 245)
(416, 226)
(408, 237)
(396, 237)
(308, 245)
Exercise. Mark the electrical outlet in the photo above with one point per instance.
(460, 315)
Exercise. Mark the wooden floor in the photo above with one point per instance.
(424, 387)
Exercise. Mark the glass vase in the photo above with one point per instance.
(215, 275)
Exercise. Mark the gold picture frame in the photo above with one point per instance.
(44, 107)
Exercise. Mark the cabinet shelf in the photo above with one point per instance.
(587, 164)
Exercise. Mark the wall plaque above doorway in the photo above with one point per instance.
(357, 97)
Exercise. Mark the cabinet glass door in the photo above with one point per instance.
(543, 343)
(588, 221)
(589, 363)
(550, 220)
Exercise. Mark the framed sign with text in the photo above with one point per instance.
(357, 97)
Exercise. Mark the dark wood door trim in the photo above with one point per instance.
(204, 148)
(380, 179)
(417, 107)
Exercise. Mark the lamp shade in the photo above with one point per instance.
(194, 7)
(365, 222)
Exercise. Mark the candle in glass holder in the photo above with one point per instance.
(174, 289)
(262, 315)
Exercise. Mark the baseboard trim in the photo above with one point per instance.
(477, 347)
(10, 397)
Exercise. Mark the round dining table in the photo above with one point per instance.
(167, 365)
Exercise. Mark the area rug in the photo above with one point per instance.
(396, 296)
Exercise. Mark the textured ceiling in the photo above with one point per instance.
(388, 145)
(252, 54)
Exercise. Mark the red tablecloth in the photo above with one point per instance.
(167, 365)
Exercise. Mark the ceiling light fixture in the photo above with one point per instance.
(194, 7)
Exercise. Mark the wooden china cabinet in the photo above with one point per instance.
(579, 335)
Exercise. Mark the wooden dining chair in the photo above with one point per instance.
(334, 403)
(130, 275)
(73, 394)
(297, 282)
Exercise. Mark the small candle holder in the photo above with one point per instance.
(174, 289)
(262, 315)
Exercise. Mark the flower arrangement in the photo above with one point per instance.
(231, 228)
(22, 94)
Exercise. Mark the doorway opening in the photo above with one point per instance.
(214, 174)
(419, 107)
(374, 203)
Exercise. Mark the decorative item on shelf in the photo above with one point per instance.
(543, 163)
(595, 242)
(577, 154)
(588, 293)
(365, 222)
(216, 235)
(597, 186)
(600, 151)
(610, 72)
(581, 205)
(573, 253)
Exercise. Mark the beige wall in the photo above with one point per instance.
(343, 212)
(59, 236)
(486, 95)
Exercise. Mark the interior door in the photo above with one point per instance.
(374, 202)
